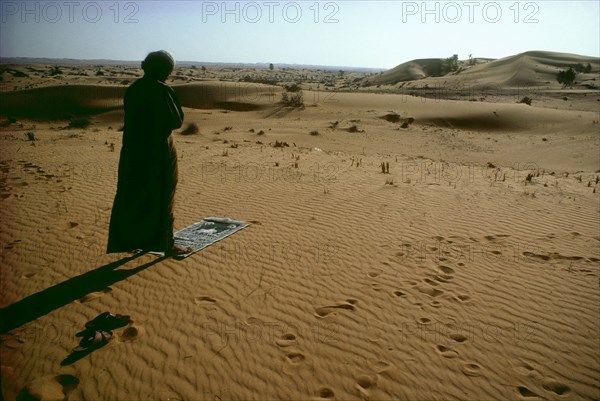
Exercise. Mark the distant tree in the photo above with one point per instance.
(55, 70)
(293, 88)
(295, 99)
(471, 61)
(203, 68)
(341, 73)
(566, 78)
(579, 68)
(271, 67)
(450, 64)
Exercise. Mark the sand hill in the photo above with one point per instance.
(533, 68)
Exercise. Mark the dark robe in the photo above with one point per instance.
(142, 213)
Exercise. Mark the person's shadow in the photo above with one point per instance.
(44, 302)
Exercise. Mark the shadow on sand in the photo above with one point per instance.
(44, 302)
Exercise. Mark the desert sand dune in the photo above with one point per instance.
(468, 271)
(56, 102)
(529, 69)
(61, 101)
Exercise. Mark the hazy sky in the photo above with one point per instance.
(340, 33)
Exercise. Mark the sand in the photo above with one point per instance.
(470, 271)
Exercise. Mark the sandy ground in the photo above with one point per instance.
(470, 271)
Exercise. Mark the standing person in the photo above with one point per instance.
(142, 214)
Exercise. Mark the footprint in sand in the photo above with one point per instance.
(443, 278)
(435, 304)
(130, 334)
(524, 369)
(364, 383)
(373, 274)
(327, 310)
(286, 340)
(399, 293)
(294, 363)
(94, 295)
(57, 387)
(325, 393)
(462, 298)
(295, 357)
(555, 386)
(432, 292)
(431, 282)
(204, 300)
(446, 269)
(526, 393)
(446, 352)
(471, 369)
(459, 338)
(527, 370)
(379, 366)
(548, 384)
(28, 275)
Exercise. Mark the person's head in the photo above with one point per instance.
(158, 65)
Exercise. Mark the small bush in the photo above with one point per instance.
(31, 136)
(293, 88)
(406, 122)
(566, 78)
(526, 100)
(296, 99)
(583, 68)
(83, 122)
(281, 145)
(392, 117)
(314, 133)
(55, 71)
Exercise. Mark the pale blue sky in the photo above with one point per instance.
(379, 34)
